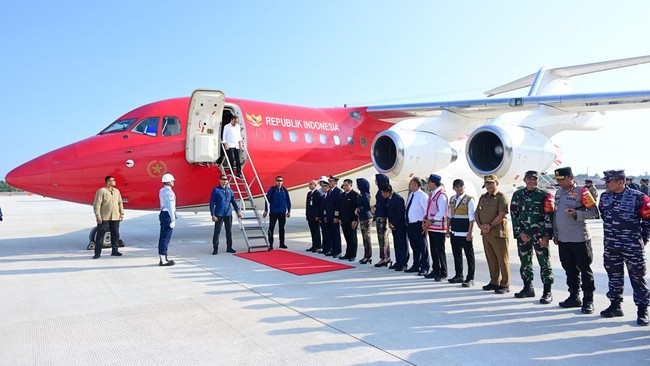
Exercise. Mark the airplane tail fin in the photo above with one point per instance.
(557, 80)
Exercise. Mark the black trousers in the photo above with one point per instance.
(227, 222)
(401, 246)
(281, 219)
(314, 229)
(114, 227)
(334, 236)
(351, 240)
(458, 245)
(233, 156)
(419, 247)
(326, 242)
(438, 255)
(576, 259)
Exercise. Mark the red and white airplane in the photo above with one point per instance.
(462, 139)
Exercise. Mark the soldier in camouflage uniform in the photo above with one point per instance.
(531, 210)
(626, 225)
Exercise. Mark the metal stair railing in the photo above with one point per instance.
(241, 185)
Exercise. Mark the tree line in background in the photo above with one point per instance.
(4, 187)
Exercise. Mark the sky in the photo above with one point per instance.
(70, 68)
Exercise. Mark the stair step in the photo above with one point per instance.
(256, 237)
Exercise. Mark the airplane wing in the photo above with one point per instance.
(491, 108)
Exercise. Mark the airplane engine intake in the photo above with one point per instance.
(405, 152)
(508, 151)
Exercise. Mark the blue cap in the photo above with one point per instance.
(435, 178)
(614, 174)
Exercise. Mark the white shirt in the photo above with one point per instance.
(418, 207)
(470, 212)
(232, 135)
(168, 201)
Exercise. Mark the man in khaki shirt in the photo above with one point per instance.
(109, 211)
(490, 217)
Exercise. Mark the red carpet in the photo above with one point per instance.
(291, 262)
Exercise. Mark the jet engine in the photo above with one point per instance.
(398, 152)
(508, 151)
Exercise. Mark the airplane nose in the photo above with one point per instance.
(34, 176)
(39, 175)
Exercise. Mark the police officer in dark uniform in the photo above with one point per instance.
(312, 214)
(330, 206)
(626, 225)
(349, 219)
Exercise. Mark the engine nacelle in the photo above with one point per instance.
(508, 151)
(397, 152)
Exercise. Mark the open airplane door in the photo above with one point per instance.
(204, 126)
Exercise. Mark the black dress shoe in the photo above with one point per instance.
(215, 251)
(502, 290)
(320, 250)
(283, 246)
(399, 268)
(456, 279)
(430, 275)
(423, 273)
(412, 270)
(231, 250)
(310, 249)
(270, 249)
(352, 259)
(168, 264)
(343, 257)
(490, 287)
(96, 256)
(116, 254)
(335, 255)
(439, 279)
(468, 283)
(327, 254)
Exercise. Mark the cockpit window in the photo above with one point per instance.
(147, 126)
(171, 126)
(119, 126)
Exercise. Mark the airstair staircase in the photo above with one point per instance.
(254, 227)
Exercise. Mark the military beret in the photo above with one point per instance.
(435, 178)
(614, 174)
(561, 173)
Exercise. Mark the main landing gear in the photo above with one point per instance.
(106, 243)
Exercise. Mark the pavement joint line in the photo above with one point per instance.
(295, 310)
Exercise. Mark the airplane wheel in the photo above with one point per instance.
(107, 240)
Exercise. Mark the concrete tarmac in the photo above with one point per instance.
(60, 307)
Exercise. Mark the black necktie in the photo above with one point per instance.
(408, 207)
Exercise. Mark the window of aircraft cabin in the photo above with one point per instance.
(147, 126)
(350, 141)
(171, 126)
(119, 126)
(322, 138)
(337, 140)
(363, 141)
(308, 138)
(277, 135)
(293, 137)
